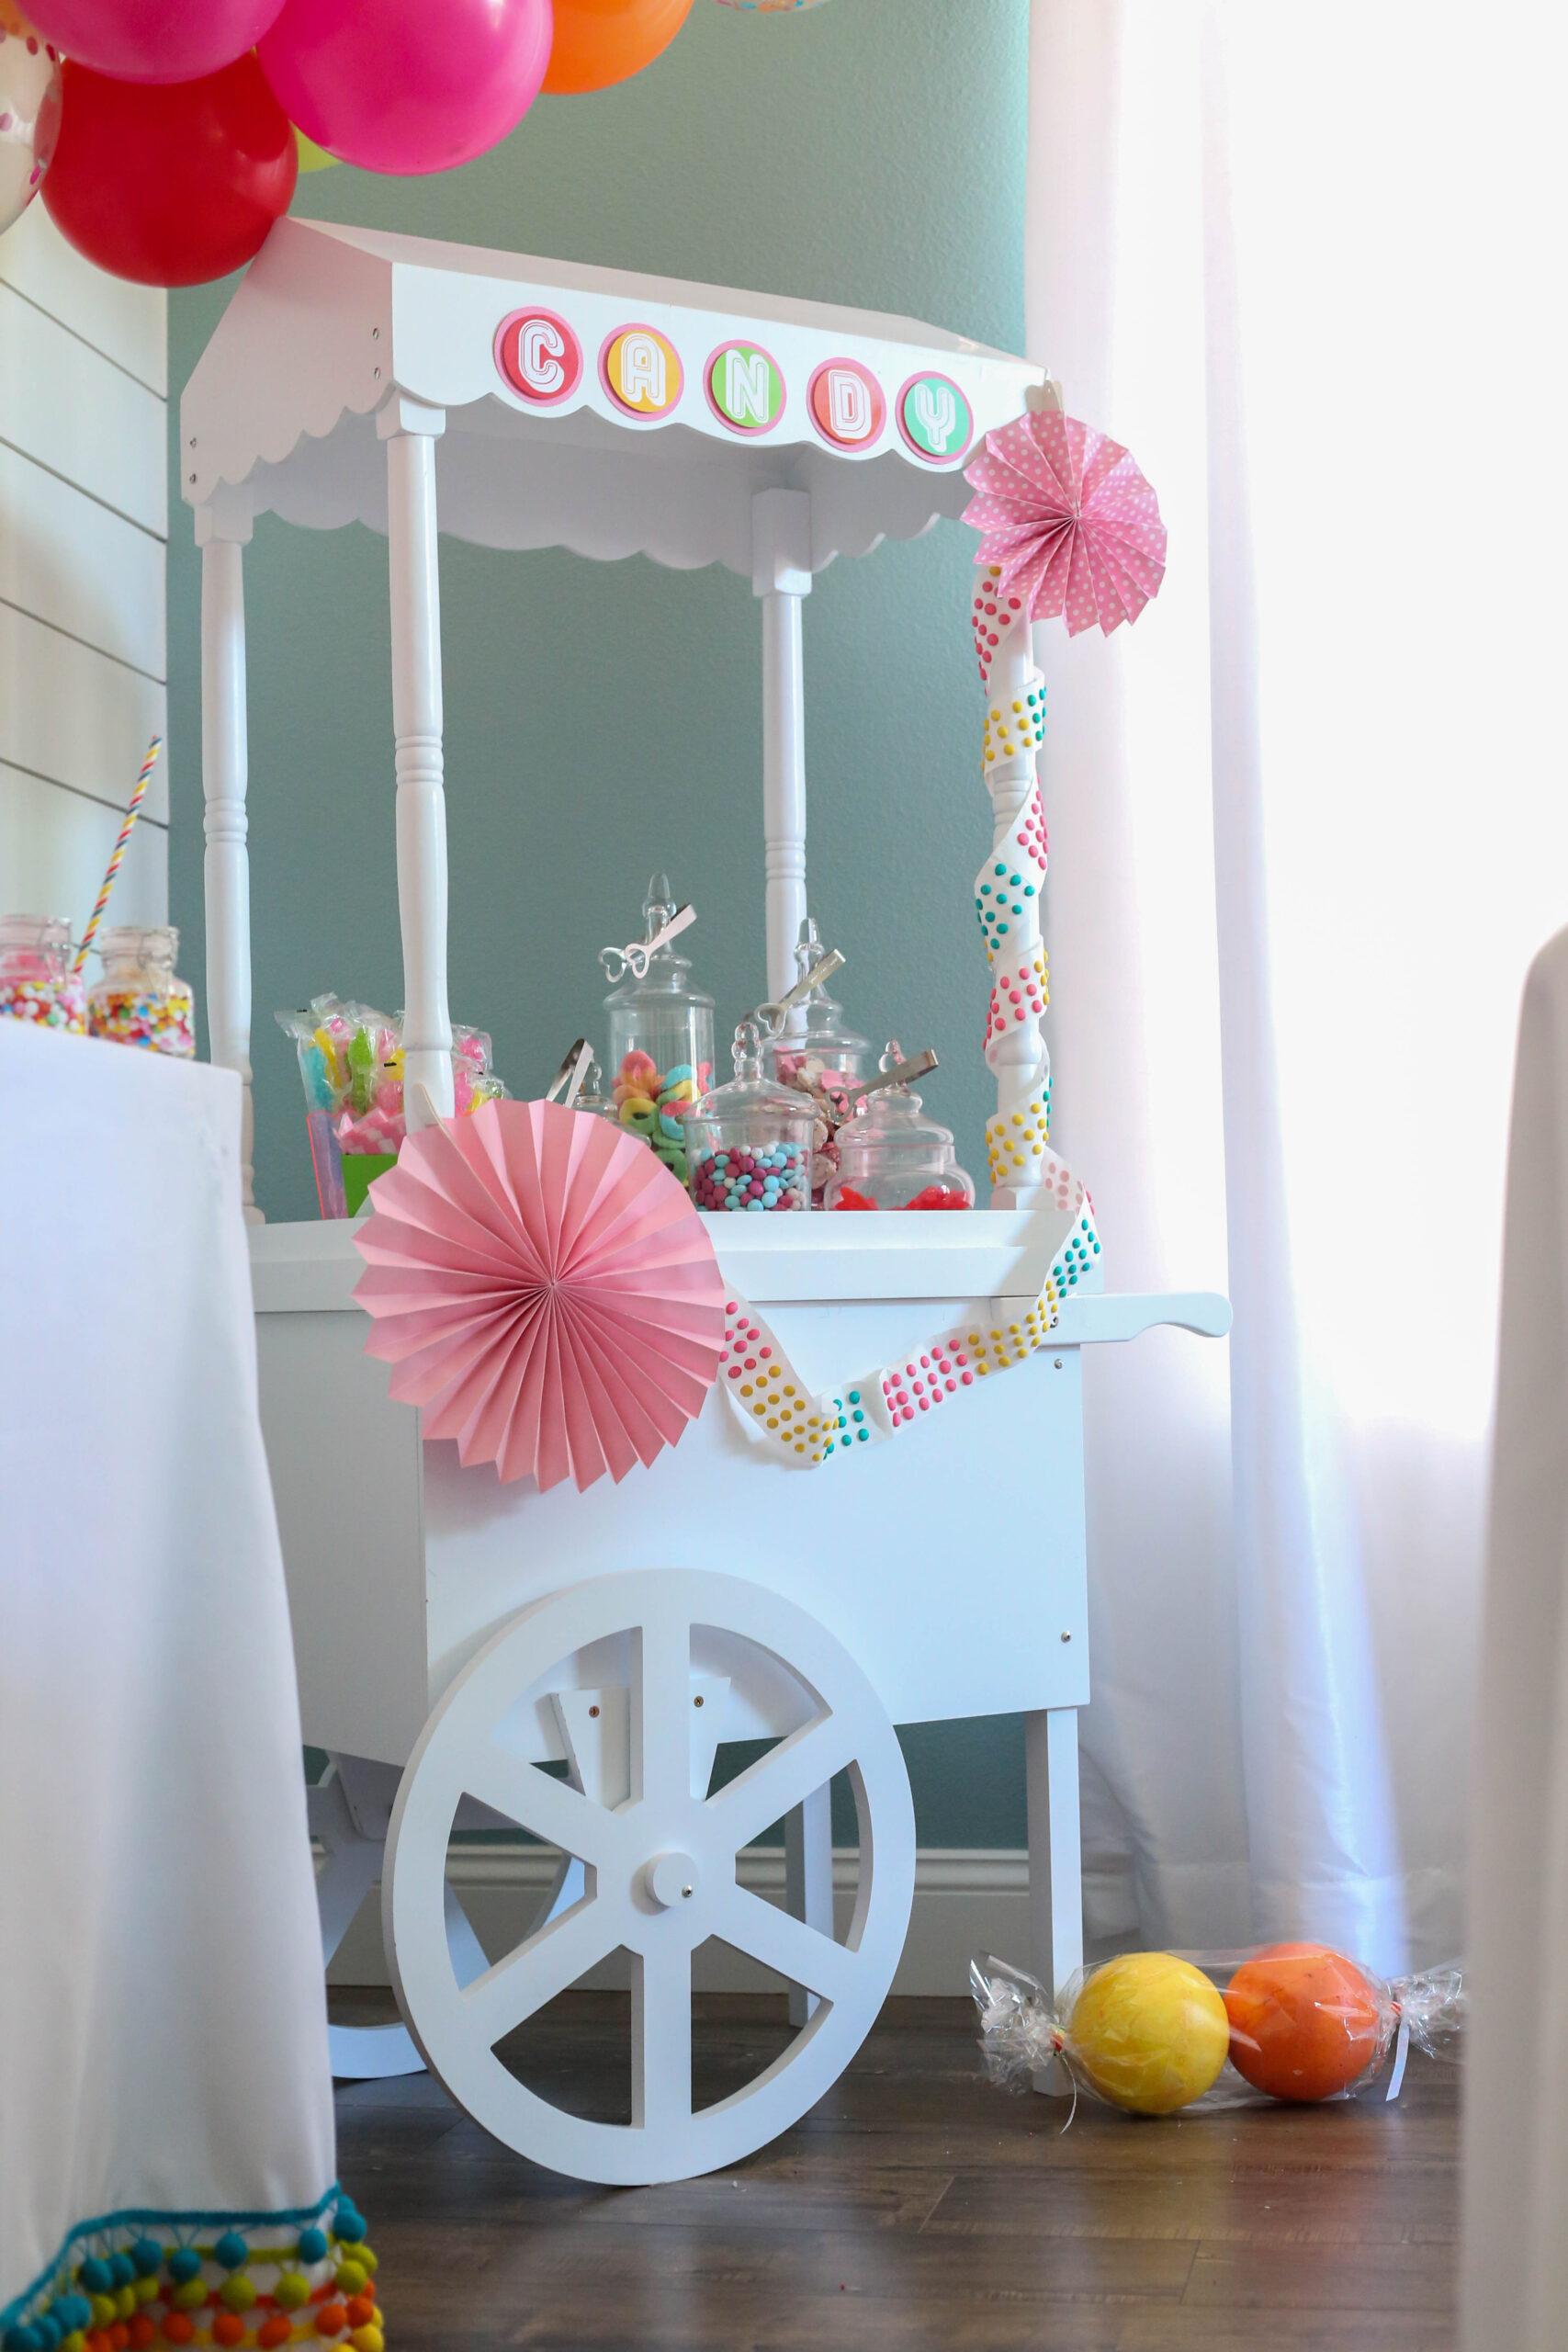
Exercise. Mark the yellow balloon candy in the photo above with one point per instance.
(1150, 2032)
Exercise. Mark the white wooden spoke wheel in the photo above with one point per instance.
(642, 1674)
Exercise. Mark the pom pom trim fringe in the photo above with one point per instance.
(135, 2280)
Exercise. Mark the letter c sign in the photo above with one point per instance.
(539, 357)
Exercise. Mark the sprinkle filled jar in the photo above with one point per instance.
(891, 1158)
(37, 982)
(749, 1142)
(141, 1000)
(661, 1034)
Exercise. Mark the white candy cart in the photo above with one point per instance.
(473, 1654)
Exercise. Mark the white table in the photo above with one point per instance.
(163, 2035)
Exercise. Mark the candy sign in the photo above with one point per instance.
(846, 403)
(642, 371)
(539, 357)
(934, 418)
(745, 388)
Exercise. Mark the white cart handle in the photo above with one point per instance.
(1123, 1315)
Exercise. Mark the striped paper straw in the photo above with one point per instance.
(132, 812)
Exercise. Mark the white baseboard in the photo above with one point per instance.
(966, 1900)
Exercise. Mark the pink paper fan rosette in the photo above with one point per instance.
(546, 1289)
(1070, 521)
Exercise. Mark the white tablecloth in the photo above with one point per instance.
(163, 2032)
(1516, 2152)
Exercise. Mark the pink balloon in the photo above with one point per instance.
(153, 40)
(407, 85)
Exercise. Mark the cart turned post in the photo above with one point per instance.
(780, 576)
(411, 430)
(222, 531)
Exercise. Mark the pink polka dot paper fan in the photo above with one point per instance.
(1069, 520)
(545, 1290)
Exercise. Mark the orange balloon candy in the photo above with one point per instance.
(601, 42)
(1304, 2022)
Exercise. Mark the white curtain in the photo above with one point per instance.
(1308, 824)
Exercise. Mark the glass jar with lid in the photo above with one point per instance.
(818, 1047)
(660, 1027)
(748, 1143)
(37, 982)
(140, 1000)
(892, 1157)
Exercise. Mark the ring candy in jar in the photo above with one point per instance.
(37, 981)
(140, 1000)
(892, 1157)
(750, 1141)
(661, 1031)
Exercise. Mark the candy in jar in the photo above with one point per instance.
(817, 1052)
(140, 1000)
(661, 1031)
(892, 1157)
(749, 1142)
(37, 982)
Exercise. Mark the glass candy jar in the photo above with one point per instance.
(891, 1158)
(750, 1143)
(141, 1000)
(37, 982)
(823, 1049)
(661, 1034)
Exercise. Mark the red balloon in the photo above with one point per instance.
(153, 40)
(170, 184)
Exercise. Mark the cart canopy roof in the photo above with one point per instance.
(589, 409)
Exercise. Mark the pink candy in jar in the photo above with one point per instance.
(37, 982)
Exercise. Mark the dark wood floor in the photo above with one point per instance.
(915, 2207)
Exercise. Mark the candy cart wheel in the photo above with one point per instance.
(659, 1855)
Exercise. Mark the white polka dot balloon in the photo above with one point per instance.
(30, 111)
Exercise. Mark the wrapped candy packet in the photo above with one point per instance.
(1153, 2031)
(351, 1066)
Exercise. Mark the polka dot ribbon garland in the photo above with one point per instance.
(198, 2283)
(1070, 524)
(801, 1428)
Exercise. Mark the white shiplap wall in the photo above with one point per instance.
(84, 519)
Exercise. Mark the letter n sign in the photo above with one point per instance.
(745, 387)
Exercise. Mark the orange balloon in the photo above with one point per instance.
(1304, 2022)
(601, 42)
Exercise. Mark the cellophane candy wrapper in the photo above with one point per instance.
(351, 1066)
(1156, 2032)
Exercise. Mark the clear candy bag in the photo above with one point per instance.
(351, 1066)
(1153, 2032)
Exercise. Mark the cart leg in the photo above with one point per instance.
(1055, 1861)
(224, 773)
(808, 1880)
(411, 432)
(353, 1856)
(780, 576)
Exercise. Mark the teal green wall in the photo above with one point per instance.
(867, 151)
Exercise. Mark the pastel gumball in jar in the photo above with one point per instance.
(36, 979)
(140, 1000)
(748, 1143)
(891, 1156)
